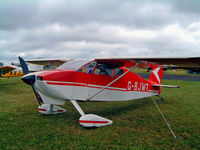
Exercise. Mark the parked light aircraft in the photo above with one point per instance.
(9, 70)
(14, 70)
(101, 79)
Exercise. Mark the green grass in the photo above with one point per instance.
(136, 124)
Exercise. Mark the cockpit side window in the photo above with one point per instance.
(88, 68)
(103, 69)
(118, 71)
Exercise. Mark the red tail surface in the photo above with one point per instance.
(156, 77)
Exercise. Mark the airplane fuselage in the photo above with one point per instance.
(62, 85)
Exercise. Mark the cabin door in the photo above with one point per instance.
(102, 76)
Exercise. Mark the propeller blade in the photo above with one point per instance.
(36, 95)
(30, 80)
(23, 65)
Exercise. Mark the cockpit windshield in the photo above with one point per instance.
(74, 64)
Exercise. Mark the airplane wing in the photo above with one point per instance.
(5, 69)
(179, 62)
(53, 61)
(9, 68)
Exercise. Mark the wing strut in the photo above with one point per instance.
(137, 64)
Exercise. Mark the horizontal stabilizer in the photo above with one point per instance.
(168, 86)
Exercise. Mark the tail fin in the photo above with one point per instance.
(156, 75)
(156, 78)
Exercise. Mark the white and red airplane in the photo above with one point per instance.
(107, 79)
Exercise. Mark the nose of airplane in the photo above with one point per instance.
(29, 79)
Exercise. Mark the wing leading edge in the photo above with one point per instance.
(52, 61)
(178, 62)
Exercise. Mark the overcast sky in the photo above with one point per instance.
(98, 28)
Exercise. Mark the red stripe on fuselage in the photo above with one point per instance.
(91, 121)
(93, 86)
(65, 83)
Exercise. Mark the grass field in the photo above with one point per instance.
(136, 124)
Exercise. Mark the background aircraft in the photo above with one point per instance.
(50, 63)
(15, 70)
(8, 70)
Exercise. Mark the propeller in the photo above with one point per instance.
(23, 65)
(28, 78)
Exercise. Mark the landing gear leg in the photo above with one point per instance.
(51, 107)
(78, 108)
(90, 120)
